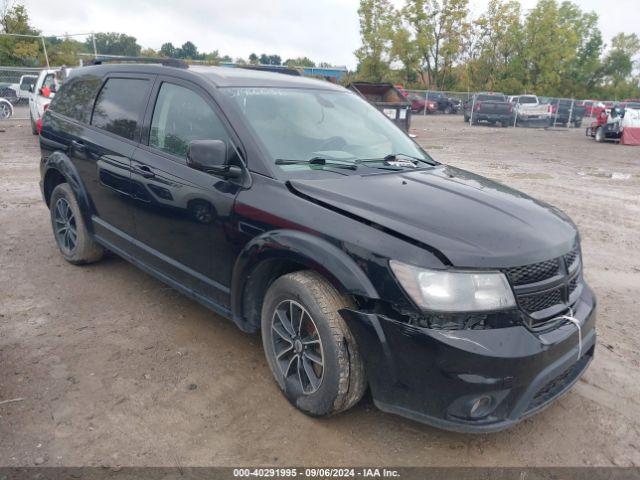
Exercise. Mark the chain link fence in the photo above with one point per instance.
(16, 84)
(548, 113)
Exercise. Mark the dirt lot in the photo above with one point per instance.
(117, 369)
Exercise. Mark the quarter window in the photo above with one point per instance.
(119, 106)
(181, 116)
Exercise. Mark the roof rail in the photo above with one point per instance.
(167, 62)
(273, 68)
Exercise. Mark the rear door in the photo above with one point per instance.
(182, 215)
(103, 154)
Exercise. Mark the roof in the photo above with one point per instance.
(243, 77)
(218, 76)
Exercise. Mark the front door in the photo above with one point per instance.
(181, 214)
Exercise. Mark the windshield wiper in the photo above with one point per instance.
(398, 157)
(317, 161)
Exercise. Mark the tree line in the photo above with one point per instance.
(555, 49)
(21, 51)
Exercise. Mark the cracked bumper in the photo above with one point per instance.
(435, 376)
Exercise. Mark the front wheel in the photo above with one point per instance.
(309, 348)
(599, 135)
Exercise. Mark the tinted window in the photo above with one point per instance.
(119, 106)
(491, 98)
(528, 100)
(180, 116)
(76, 97)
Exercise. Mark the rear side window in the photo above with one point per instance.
(180, 116)
(76, 97)
(119, 106)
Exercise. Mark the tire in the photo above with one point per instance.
(338, 382)
(6, 109)
(34, 129)
(448, 110)
(69, 230)
(599, 136)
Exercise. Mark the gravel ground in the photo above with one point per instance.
(114, 368)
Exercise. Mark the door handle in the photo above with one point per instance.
(144, 171)
(78, 145)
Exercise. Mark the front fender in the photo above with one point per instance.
(303, 248)
(60, 163)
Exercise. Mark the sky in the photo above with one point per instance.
(323, 30)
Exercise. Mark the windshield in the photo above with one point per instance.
(304, 124)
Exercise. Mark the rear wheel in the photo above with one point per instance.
(309, 348)
(69, 230)
(448, 110)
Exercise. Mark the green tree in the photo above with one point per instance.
(300, 62)
(439, 29)
(113, 43)
(618, 66)
(187, 50)
(253, 59)
(168, 50)
(495, 49)
(18, 50)
(377, 19)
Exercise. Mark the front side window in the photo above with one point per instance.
(119, 106)
(300, 124)
(181, 116)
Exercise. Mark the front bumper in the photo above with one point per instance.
(435, 376)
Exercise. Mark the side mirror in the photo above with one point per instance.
(31, 88)
(210, 156)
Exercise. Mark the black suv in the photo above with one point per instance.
(293, 207)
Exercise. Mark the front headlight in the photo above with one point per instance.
(451, 291)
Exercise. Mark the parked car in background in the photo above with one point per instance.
(24, 87)
(419, 104)
(42, 92)
(8, 93)
(565, 111)
(365, 263)
(528, 109)
(444, 103)
(488, 107)
(592, 107)
(6, 109)
(607, 126)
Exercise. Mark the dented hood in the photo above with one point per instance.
(471, 220)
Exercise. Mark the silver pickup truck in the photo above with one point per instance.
(528, 109)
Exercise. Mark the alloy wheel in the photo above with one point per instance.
(65, 226)
(297, 346)
(5, 111)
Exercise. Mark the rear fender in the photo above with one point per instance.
(60, 163)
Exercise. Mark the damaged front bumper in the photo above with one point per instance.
(472, 380)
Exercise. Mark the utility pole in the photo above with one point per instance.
(44, 47)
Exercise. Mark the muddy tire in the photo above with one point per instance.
(309, 348)
(69, 230)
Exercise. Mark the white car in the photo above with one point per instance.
(24, 86)
(42, 92)
(528, 108)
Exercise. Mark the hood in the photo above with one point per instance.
(471, 220)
